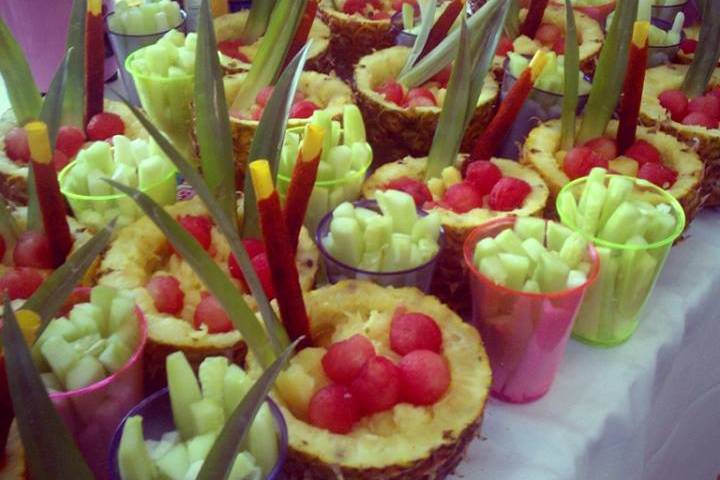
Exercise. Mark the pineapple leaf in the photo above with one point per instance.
(51, 112)
(212, 120)
(427, 12)
(47, 300)
(227, 225)
(257, 21)
(706, 57)
(221, 457)
(570, 89)
(230, 298)
(50, 451)
(270, 135)
(512, 23)
(21, 88)
(74, 102)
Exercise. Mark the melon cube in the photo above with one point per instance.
(174, 464)
(557, 234)
(115, 355)
(207, 416)
(509, 242)
(60, 355)
(245, 468)
(484, 248)
(517, 268)
(262, 440)
(552, 272)
(493, 268)
(88, 318)
(530, 227)
(86, 371)
(212, 378)
(199, 446)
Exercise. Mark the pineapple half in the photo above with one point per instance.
(450, 282)
(706, 142)
(326, 91)
(12, 461)
(542, 152)
(402, 443)
(13, 176)
(230, 27)
(396, 132)
(140, 250)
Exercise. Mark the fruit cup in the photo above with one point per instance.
(92, 413)
(158, 419)
(525, 333)
(336, 270)
(628, 271)
(662, 54)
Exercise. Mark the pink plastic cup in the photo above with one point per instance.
(524, 333)
(93, 413)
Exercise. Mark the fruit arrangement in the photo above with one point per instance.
(144, 18)
(200, 407)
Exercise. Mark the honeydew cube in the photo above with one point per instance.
(591, 205)
(345, 209)
(245, 468)
(61, 327)
(531, 286)
(134, 22)
(199, 446)
(397, 257)
(509, 242)
(88, 318)
(60, 355)
(191, 40)
(157, 59)
(364, 216)
(530, 227)
(517, 267)
(115, 355)
(347, 237)
(133, 457)
(597, 175)
(637, 276)
(207, 416)
(235, 387)
(172, 11)
(174, 464)
(262, 440)
(337, 195)
(76, 179)
(98, 156)
(354, 125)
(575, 279)
(619, 189)
(122, 312)
(484, 248)
(98, 187)
(51, 382)
(661, 224)
(194, 470)
(103, 296)
(89, 217)
(552, 272)
(186, 59)
(86, 371)
(428, 249)
(427, 227)
(619, 226)
(340, 158)
(158, 448)
(123, 151)
(371, 261)
(150, 171)
(161, 21)
(534, 250)
(493, 268)
(362, 155)
(400, 207)
(184, 392)
(573, 250)
(140, 149)
(212, 378)
(83, 344)
(557, 234)
(568, 205)
(176, 72)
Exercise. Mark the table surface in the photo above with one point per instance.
(648, 409)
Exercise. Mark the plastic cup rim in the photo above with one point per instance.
(667, 198)
(183, 19)
(338, 181)
(507, 72)
(509, 220)
(677, 5)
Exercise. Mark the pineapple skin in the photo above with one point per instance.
(230, 26)
(12, 465)
(450, 282)
(703, 140)
(395, 132)
(543, 143)
(13, 177)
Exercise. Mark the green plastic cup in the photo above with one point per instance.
(611, 310)
(167, 101)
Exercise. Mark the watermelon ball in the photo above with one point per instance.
(603, 146)
(210, 313)
(688, 45)
(16, 145)
(78, 295)
(707, 104)
(461, 197)
(675, 102)
(548, 34)
(32, 249)
(415, 188)
(580, 160)
(420, 97)
(700, 119)
(379, 15)
(424, 377)
(166, 293)
(377, 386)
(643, 152)
(659, 174)
(303, 109)
(392, 91)
(509, 194)
(334, 408)
(105, 125)
(482, 175)
(200, 227)
(69, 140)
(715, 92)
(344, 360)
(261, 266)
(60, 160)
(20, 282)
(414, 331)
(505, 45)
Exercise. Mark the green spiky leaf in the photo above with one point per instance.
(21, 88)
(427, 12)
(708, 51)
(512, 23)
(257, 21)
(570, 81)
(74, 103)
(51, 112)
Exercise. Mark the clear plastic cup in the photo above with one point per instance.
(167, 101)
(93, 413)
(668, 12)
(95, 211)
(660, 55)
(419, 277)
(611, 311)
(158, 419)
(524, 333)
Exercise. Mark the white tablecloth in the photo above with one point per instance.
(648, 409)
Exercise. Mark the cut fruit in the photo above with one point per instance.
(580, 161)
(20, 282)
(344, 360)
(166, 293)
(16, 145)
(643, 152)
(377, 386)
(675, 102)
(133, 457)
(33, 250)
(415, 188)
(69, 140)
(410, 331)
(105, 125)
(483, 175)
(509, 194)
(210, 313)
(700, 119)
(659, 174)
(334, 408)
(424, 376)
(199, 227)
(461, 198)
(604, 147)
(184, 392)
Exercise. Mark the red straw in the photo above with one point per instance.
(534, 18)
(633, 87)
(303, 31)
(95, 60)
(442, 26)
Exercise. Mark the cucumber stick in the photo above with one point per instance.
(262, 440)
(400, 207)
(175, 463)
(184, 392)
(133, 458)
(212, 379)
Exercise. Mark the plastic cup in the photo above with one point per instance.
(667, 13)
(611, 311)
(402, 36)
(123, 45)
(157, 420)
(95, 211)
(540, 106)
(167, 101)
(524, 333)
(419, 277)
(93, 413)
(660, 55)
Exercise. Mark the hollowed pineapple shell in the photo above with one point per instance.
(12, 461)
(407, 441)
(396, 132)
(326, 91)
(450, 282)
(231, 26)
(706, 142)
(140, 250)
(13, 176)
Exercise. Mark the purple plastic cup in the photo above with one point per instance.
(93, 413)
(157, 420)
(660, 55)
(539, 107)
(402, 36)
(667, 12)
(419, 277)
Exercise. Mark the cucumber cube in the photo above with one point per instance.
(133, 457)
(236, 385)
(618, 227)
(400, 207)
(245, 468)
(262, 440)
(575, 279)
(509, 242)
(557, 234)
(174, 464)
(122, 312)
(364, 216)
(427, 227)
(86, 371)
(184, 392)
(552, 272)
(493, 268)
(484, 248)
(212, 378)
(115, 355)
(207, 416)
(345, 209)
(530, 227)
(573, 250)
(88, 318)
(517, 267)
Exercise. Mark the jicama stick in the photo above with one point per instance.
(534, 18)
(633, 86)
(95, 59)
(442, 26)
(303, 31)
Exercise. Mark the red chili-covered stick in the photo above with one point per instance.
(281, 256)
(52, 204)
(303, 31)
(442, 26)
(302, 182)
(534, 18)
(633, 86)
(95, 60)
(491, 138)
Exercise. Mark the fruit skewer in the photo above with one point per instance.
(534, 17)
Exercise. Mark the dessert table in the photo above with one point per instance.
(648, 409)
